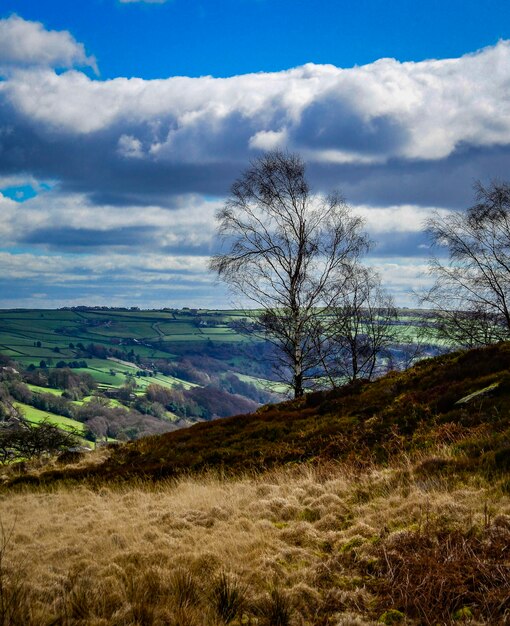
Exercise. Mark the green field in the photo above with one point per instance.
(32, 336)
(119, 348)
(36, 416)
(37, 389)
(126, 351)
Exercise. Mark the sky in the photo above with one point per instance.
(123, 124)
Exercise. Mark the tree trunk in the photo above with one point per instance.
(298, 372)
(298, 385)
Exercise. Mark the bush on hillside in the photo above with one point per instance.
(23, 440)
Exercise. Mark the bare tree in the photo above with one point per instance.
(26, 441)
(289, 252)
(472, 286)
(359, 330)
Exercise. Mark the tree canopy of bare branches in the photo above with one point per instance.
(359, 329)
(26, 441)
(472, 285)
(289, 252)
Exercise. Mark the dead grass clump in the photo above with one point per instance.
(88, 595)
(277, 509)
(300, 534)
(352, 619)
(14, 593)
(14, 600)
(329, 522)
(275, 608)
(305, 599)
(185, 590)
(357, 599)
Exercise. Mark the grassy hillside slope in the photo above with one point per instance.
(384, 503)
(461, 400)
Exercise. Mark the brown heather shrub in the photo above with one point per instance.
(434, 574)
(325, 546)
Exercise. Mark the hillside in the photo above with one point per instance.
(383, 503)
(159, 370)
(460, 400)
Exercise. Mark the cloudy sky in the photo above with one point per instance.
(123, 124)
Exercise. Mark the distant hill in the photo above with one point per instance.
(460, 401)
(160, 370)
(166, 369)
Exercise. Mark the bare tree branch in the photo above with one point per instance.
(290, 252)
(472, 287)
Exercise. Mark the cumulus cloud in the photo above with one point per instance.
(142, 164)
(364, 114)
(24, 43)
(403, 276)
(402, 218)
(71, 222)
(130, 147)
(387, 133)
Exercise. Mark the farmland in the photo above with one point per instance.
(29, 337)
(149, 371)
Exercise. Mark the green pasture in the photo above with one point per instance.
(37, 389)
(114, 374)
(164, 381)
(180, 327)
(20, 330)
(36, 416)
(147, 334)
(103, 375)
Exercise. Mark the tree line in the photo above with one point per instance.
(297, 257)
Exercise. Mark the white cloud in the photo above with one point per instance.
(24, 43)
(405, 218)
(53, 215)
(18, 180)
(364, 114)
(268, 139)
(130, 147)
(403, 277)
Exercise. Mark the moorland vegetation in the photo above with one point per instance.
(385, 502)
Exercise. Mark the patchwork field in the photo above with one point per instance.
(200, 357)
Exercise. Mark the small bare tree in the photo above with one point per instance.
(23, 440)
(472, 287)
(359, 330)
(289, 252)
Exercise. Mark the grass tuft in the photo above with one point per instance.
(228, 597)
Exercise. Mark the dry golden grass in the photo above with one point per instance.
(303, 546)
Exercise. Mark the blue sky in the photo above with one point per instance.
(123, 125)
(229, 37)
